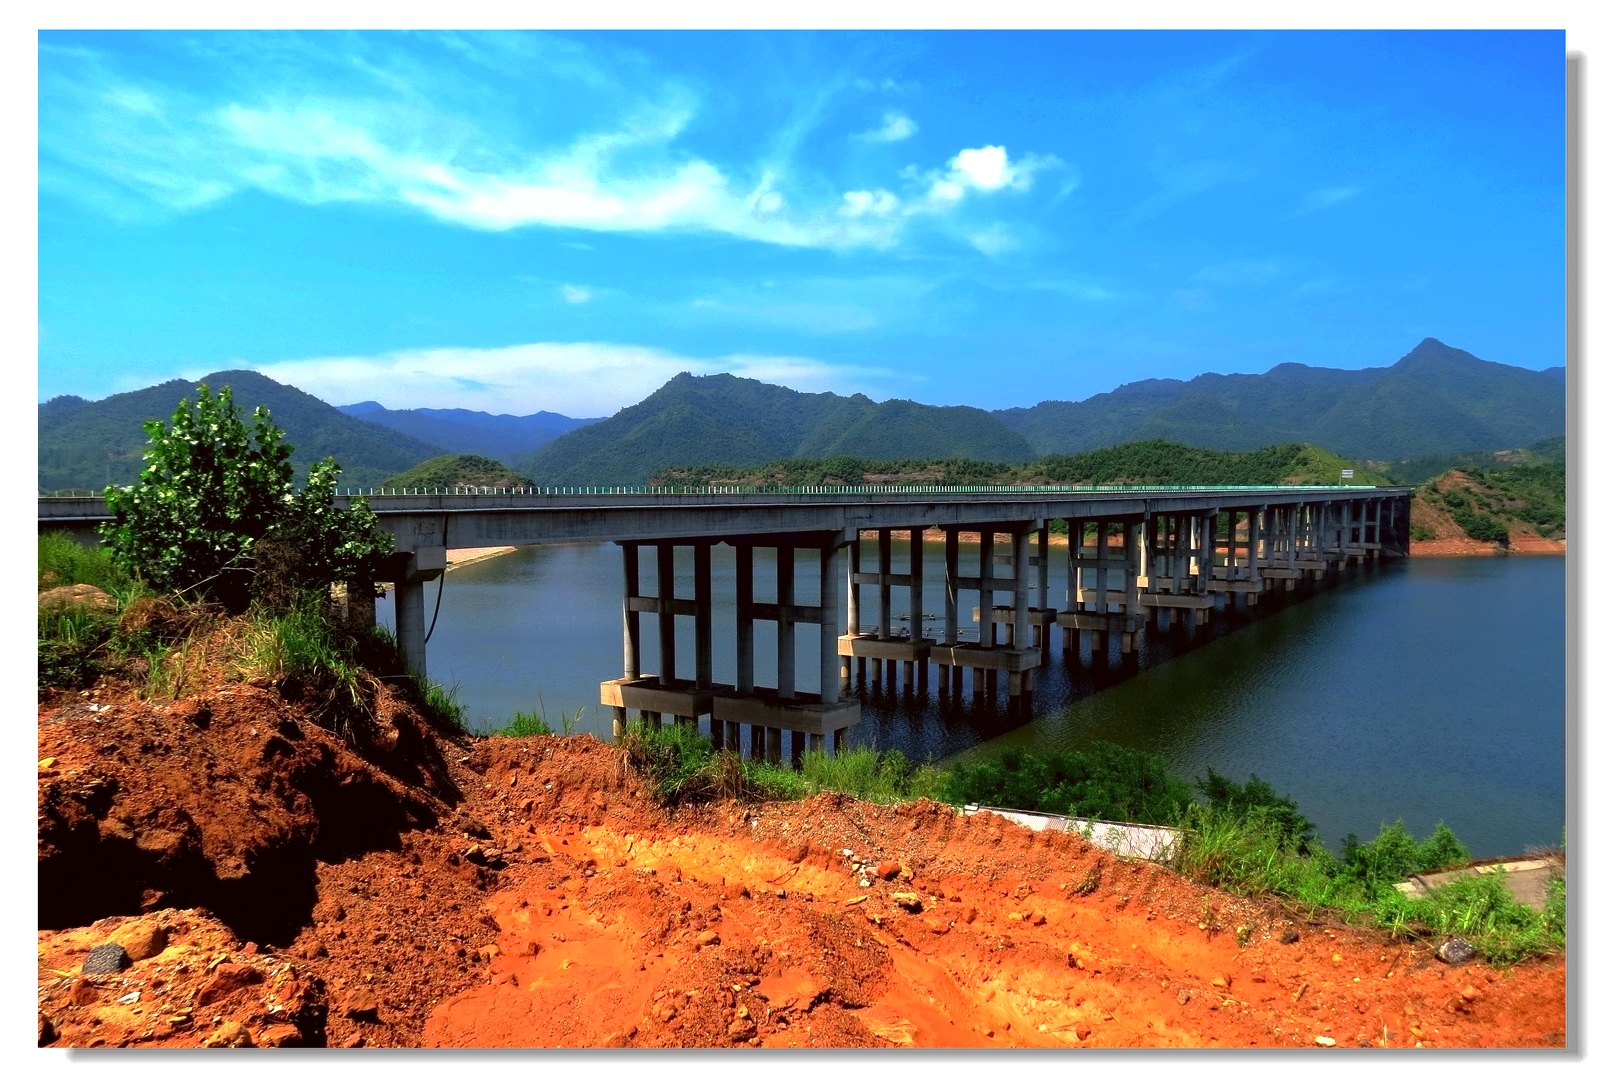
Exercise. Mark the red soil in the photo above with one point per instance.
(530, 893)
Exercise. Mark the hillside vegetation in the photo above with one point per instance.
(1493, 504)
(726, 420)
(1152, 462)
(1434, 400)
(457, 470)
(91, 444)
(507, 439)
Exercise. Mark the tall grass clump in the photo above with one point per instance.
(63, 562)
(1104, 780)
(523, 724)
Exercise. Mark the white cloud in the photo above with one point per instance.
(1324, 198)
(576, 295)
(986, 170)
(577, 378)
(994, 240)
(297, 125)
(860, 202)
(895, 127)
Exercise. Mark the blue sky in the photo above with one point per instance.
(514, 222)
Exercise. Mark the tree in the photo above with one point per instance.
(212, 488)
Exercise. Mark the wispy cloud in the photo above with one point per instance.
(1238, 273)
(576, 295)
(577, 379)
(395, 132)
(1319, 199)
(895, 127)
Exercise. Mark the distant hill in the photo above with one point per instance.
(723, 419)
(88, 444)
(506, 439)
(457, 470)
(1434, 400)
(1153, 462)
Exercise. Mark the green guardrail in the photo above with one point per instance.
(840, 489)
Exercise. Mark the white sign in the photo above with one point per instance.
(1348, 473)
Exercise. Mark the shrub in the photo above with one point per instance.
(213, 488)
(1104, 780)
(1256, 799)
(523, 724)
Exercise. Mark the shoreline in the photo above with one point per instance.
(454, 559)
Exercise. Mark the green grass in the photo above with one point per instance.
(63, 562)
(523, 724)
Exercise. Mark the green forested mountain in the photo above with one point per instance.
(1152, 462)
(89, 444)
(506, 439)
(722, 419)
(457, 470)
(1435, 400)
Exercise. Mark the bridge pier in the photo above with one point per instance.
(768, 712)
(885, 649)
(1178, 567)
(987, 657)
(408, 572)
(1111, 610)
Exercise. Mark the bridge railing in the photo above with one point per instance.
(839, 489)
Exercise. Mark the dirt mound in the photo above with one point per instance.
(558, 905)
(226, 802)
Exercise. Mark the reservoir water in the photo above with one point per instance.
(1427, 689)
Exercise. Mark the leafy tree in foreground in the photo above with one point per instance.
(212, 489)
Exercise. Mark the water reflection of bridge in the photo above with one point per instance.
(1127, 559)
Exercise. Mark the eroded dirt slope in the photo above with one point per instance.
(529, 893)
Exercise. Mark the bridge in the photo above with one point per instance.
(1135, 557)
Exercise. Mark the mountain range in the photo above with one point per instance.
(507, 439)
(1434, 400)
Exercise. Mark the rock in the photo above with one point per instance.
(737, 891)
(1469, 993)
(708, 938)
(1290, 936)
(141, 938)
(1184, 995)
(281, 1035)
(1326, 1042)
(1454, 951)
(888, 871)
(47, 1030)
(229, 1035)
(362, 1009)
(227, 978)
(106, 959)
(741, 1030)
(908, 901)
(78, 596)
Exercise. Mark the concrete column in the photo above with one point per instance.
(630, 616)
(744, 618)
(1043, 574)
(785, 623)
(410, 628)
(952, 571)
(885, 619)
(1252, 562)
(916, 583)
(986, 589)
(829, 601)
(1102, 590)
(1020, 633)
(1207, 523)
(702, 614)
(666, 623)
